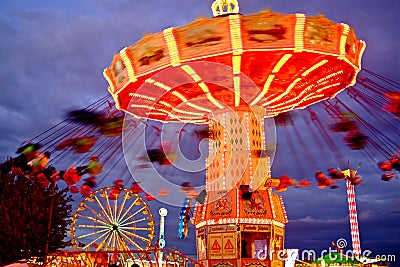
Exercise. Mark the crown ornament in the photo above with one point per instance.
(223, 7)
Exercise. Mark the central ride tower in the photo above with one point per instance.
(242, 222)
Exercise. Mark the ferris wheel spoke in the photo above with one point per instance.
(126, 196)
(115, 240)
(115, 210)
(96, 213)
(138, 228)
(120, 242)
(90, 218)
(133, 222)
(108, 240)
(136, 236)
(102, 208)
(130, 207)
(93, 233)
(111, 242)
(131, 241)
(123, 243)
(96, 239)
(124, 246)
(91, 226)
(109, 207)
(91, 245)
(133, 214)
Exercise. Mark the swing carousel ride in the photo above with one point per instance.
(239, 82)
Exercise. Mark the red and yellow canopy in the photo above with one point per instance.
(281, 62)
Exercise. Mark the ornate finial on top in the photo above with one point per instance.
(222, 7)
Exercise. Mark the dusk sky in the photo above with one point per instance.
(53, 54)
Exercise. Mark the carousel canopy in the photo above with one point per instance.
(277, 61)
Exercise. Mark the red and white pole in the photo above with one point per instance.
(355, 234)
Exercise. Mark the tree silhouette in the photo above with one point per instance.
(25, 215)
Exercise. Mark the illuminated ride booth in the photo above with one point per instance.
(232, 72)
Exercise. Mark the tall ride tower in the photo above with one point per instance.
(242, 222)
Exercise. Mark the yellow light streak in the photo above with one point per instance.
(214, 101)
(363, 46)
(141, 106)
(327, 87)
(236, 86)
(128, 64)
(111, 87)
(202, 85)
(181, 118)
(281, 62)
(316, 66)
(156, 114)
(236, 63)
(327, 77)
(180, 96)
(191, 72)
(265, 89)
(312, 96)
(299, 32)
(343, 39)
(294, 99)
(180, 110)
(172, 47)
(116, 100)
(235, 33)
(188, 69)
(142, 96)
(290, 87)
(159, 84)
(198, 107)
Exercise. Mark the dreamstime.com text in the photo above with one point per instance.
(331, 254)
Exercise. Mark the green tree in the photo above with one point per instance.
(25, 215)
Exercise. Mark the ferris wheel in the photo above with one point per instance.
(112, 220)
